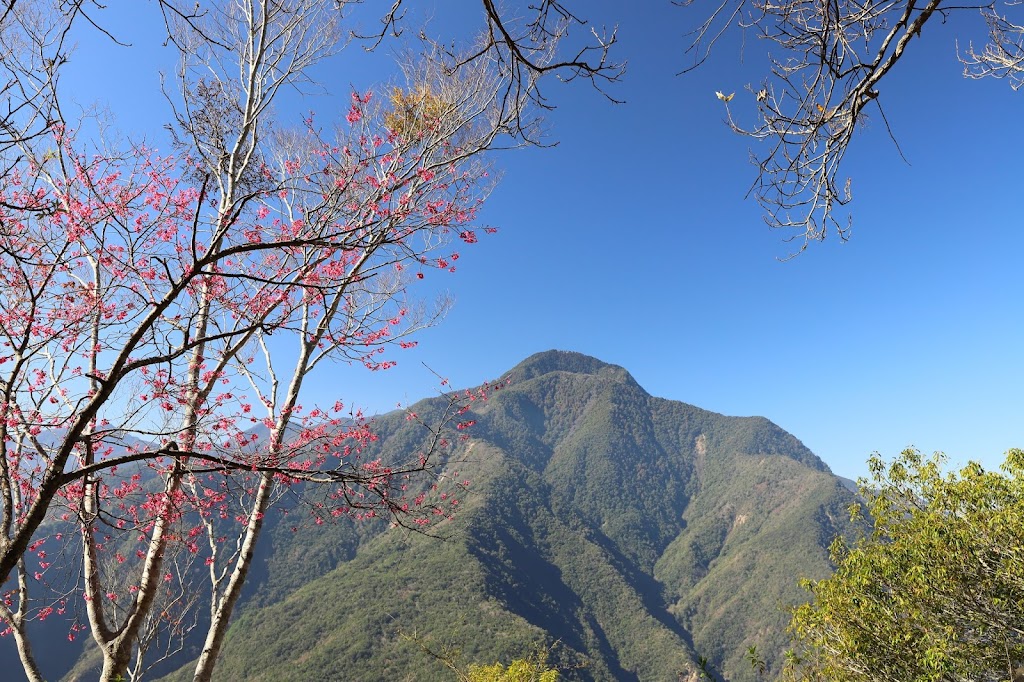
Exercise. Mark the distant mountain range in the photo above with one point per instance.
(632, 533)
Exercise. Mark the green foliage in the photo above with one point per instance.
(533, 668)
(520, 670)
(934, 592)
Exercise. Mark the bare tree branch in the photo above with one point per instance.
(827, 61)
(526, 50)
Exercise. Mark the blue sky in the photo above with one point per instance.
(631, 240)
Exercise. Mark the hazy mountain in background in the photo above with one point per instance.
(637, 532)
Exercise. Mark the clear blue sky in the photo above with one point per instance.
(632, 241)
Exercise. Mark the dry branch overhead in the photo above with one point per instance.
(827, 66)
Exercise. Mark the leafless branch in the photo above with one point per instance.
(1003, 55)
(827, 61)
(525, 51)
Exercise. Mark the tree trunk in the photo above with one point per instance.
(28, 661)
(221, 615)
(116, 658)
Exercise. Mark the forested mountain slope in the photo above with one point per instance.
(639, 533)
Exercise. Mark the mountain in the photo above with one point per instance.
(849, 483)
(636, 532)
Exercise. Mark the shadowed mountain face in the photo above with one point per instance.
(639, 533)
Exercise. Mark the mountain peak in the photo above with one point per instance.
(550, 361)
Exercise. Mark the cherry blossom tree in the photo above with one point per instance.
(160, 315)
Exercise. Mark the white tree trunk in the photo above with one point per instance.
(225, 605)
